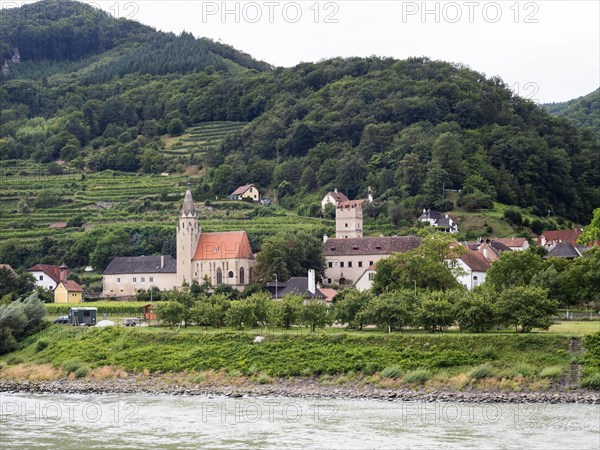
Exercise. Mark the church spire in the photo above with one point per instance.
(189, 209)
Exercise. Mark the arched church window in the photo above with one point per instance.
(242, 280)
(219, 276)
(231, 274)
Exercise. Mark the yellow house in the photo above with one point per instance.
(68, 292)
(246, 191)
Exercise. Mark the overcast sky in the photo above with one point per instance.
(545, 50)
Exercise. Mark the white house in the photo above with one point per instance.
(333, 198)
(470, 269)
(48, 276)
(437, 219)
(365, 281)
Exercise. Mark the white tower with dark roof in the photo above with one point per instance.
(188, 234)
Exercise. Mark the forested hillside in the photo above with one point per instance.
(99, 93)
(583, 111)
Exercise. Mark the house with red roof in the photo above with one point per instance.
(48, 276)
(470, 269)
(553, 237)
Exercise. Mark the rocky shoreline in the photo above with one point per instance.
(297, 388)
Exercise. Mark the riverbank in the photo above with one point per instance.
(292, 388)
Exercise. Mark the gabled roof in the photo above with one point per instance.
(299, 286)
(500, 247)
(370, 245)
(475, 261)
(512, 241)
(9, 268)
(224, 245)
(242, 189)
(51, 270)
(564, 250)
(71, 286)
(328, 293)
(337, 196)
(431, 214)
(561, 235)
(141, 264)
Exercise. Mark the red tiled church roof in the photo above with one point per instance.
(225, 245)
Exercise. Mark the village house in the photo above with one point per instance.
(350, 254)
(247, 191)
(333, 198)
(565, 250)
(68, 291)
(436, 219)
(470, 268)
(224, 258)
(126, 275)
(553, 237)
(365, 281)
(516, 244)
(306, 287)
(47, 276)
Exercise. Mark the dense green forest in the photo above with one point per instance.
(583, 111)
(99, 93)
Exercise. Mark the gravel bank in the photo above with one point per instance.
(298, 388)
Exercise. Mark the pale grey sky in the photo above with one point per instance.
(545, 50)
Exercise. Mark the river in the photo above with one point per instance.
(30, 421)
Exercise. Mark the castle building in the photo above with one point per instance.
(351, 256)
(225, 258)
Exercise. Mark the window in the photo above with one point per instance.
(230, 274)
(219, 276)
(134, 279)
(151, 279)
(370, 263)
(371, 276)
(41, 277)
(330, 264)
(346, 225)
(242, 276)
(349, 263)
(341, 263)
(328, 280)
(118, 280)
(143, 280)
(360, 264)
(195, 274)
(475, 278)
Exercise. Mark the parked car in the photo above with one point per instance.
(62, 319)
(131, 322)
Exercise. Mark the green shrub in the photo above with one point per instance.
(264, 379)
(41, 345)
(419, 376)
(592, 381)
(81, 372)
(392, 372)
(72, 365)
(552, 372)
(13, 360)
(482, 371)
(523, 369)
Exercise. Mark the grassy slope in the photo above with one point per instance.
(282, 354)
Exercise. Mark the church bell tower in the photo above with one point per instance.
(188, 234)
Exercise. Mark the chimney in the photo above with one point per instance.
(162, 261)
(63, 273)
(325, 237)
(311, 282)
(335, 190)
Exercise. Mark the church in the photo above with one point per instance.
(225, 258)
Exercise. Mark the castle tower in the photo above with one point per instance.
(349, 219)
(188, 233)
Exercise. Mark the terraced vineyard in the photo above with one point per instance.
(199, 140)
(113, 200)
